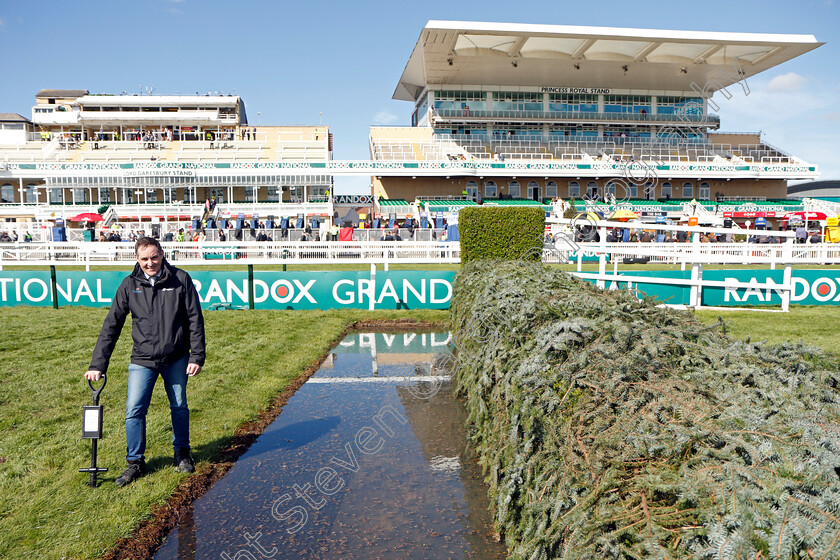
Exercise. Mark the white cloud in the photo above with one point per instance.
(385, 117)
(802, 123)
(787, 82)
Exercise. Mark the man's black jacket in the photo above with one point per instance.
(167, 323)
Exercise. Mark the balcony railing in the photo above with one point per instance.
(478, 114)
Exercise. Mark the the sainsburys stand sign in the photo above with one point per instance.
(271, 290)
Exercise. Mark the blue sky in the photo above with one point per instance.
(338, 62)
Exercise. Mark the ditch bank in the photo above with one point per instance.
(610, 428)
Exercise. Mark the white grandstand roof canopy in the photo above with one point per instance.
(458, 53)
(158, 100)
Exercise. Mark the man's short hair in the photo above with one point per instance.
(147, 242)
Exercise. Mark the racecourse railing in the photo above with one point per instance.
(210, 253)
(703, 253)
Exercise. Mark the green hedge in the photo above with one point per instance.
(611, 428)
(501, 233)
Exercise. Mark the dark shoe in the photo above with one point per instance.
(132, 473)
(184, 461)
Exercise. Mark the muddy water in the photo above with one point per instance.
(369, 459)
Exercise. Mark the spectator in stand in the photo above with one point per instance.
(801, 234)
(222, 236)
(682, 236)
(815, 237)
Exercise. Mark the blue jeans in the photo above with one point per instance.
(141, 381)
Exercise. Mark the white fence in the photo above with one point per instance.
(692, 252)
(309, 252)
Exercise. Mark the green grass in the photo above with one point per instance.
(46, 508)
(812, 325)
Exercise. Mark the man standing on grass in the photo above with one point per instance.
(168, 334)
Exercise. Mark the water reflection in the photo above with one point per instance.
(356, 466)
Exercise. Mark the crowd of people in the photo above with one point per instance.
(637, 234)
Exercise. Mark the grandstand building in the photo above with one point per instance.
(502, 114)
(507, 112)
(158, 158)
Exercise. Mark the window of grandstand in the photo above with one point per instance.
(574, 189)
(592, 190)
(460, 100)
(251, 194)
(514, 190)
(274, 194)
(650, 191)
(624, 132)
(319, 191)
(551, 189)
(626, 104)
(517, 101)
(573, 103)
(674, 105)
(609, 188)
(296, 193)
(56, 196)
(169, 195)
(151, 195)
(7, 193)
(490, 190)
(29, 193)
(578, 131)
(420, 113)
(533, 190)
(464, 130)
(219, 194)
(705, 191)
(666, 190)
(104, 195)
(79, 195)
(688, 190)
(518, 132)
(472, 191)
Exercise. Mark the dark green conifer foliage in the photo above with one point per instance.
(611, 428)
